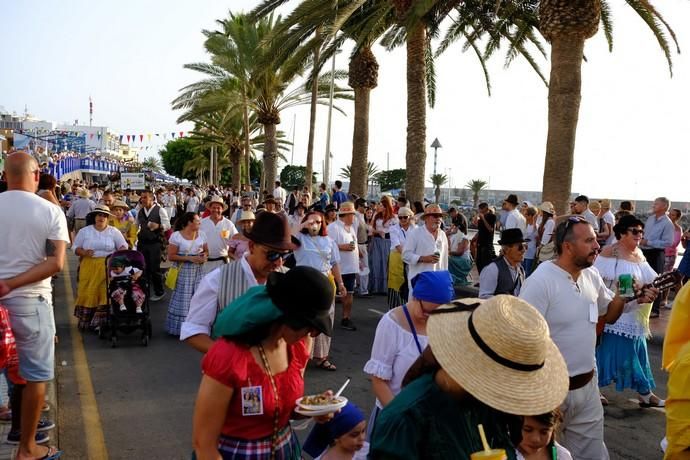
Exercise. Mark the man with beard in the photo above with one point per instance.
(572, 297)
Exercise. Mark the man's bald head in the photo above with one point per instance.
(21, 171)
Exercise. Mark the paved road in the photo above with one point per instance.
(137, 402)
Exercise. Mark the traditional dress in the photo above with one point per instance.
(425, 422)
(379, 252)
(187, 280)
(622, 354)
(91, 305)
(459, 266)
(128, 228)
(397, 270)
(249, 431)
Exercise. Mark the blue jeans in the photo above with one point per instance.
(527, 265)
(33, 324)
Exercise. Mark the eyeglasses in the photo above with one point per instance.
(273, 256)
(636, 231)
(403, 217)
(520, 246)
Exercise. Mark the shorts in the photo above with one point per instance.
(33, 324)
(349, 282)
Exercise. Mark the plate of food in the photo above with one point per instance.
(322, 404)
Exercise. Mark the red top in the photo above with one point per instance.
(234, 365)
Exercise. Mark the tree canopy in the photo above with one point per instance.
(174, 156)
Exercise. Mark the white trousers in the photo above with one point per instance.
(583, 423)
(363, 280)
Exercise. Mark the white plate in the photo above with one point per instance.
(320, 410)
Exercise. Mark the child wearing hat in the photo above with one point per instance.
(342, 437)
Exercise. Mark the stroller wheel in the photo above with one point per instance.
(113, 342)
(145, 341)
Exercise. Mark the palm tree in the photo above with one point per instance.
(152, 164)
(372, 172)
(438, 180)
(476, 186)
(567, 24)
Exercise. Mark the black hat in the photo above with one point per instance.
(305, 296)
(511, 236)
(272, 230)
(512, 199)
(330, 207)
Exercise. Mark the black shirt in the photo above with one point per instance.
(486, 237)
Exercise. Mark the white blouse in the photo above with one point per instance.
(103, 243)
(187, 247)
(393, 352)
(629, 324)
(319, 252)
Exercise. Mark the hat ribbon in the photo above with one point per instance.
(495, 356)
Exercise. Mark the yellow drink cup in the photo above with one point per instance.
(493, 454)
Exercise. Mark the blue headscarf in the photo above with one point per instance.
(324, 434)
(434, 287)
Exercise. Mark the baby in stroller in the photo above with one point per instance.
(126, 276)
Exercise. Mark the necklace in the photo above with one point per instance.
(276, 397)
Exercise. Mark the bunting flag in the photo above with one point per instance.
(127, 138)
(141, 138)
(134, 138)
(181, 134)
(121, 136)
(91, 136)
(149, 137)
(173, 135)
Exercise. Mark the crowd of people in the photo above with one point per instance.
(253, 280)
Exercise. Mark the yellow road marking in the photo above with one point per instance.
(93, 430)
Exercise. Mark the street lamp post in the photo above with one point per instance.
(435, 145)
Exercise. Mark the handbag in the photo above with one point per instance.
(171, 277)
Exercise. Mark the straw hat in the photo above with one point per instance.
(594, 206)
(219, 200)
(120, 204)
(547, 206)
(102, 209)
(433, 210)
(606, 203)
(346, 208)
(501, 354)
(246, 215)
(405, 212)
(83, 193)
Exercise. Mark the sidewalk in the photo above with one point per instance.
(8, 451)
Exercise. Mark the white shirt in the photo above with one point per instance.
(162, 213)
(609, 218)
(561, 453)
(420, 242)
(203, 306)
(399, 236)
(319, 252)
(455, 240)
(81, 208)
(592, 219)
(187, 247)
(393, 352)
(571, 309)
(217, 246)
(279, 193)
(30, 221)
(515, 220)
(549, 227)
(192, 204)
(340, 234)
(103, 243)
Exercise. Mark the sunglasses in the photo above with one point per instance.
(273, 256)
(572, 221)
(636, 231)
(403, 217)
(520, 246)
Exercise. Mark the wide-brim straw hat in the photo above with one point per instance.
(346, 208)
(102, 209)
(405, 212)
(433, 210)
(120, 204)
(547, 206)
(83, 193)
(218, 200)
(501, 353)
(246, 215)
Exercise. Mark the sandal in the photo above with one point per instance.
(325, 365)
(52, 454)
(646, 401)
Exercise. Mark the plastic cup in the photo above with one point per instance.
(493, 454)
(625, 285)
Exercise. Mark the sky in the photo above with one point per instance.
(128, 56)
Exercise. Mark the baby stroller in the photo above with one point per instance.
(130, 312)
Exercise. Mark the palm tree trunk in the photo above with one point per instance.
(416, 113)
(247, 147)
(360, 143)
(312, 115)
(270, 155)
(236, 164)
(564, 108)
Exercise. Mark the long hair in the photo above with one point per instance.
(387, 213)
(322, 231)
(183, 220)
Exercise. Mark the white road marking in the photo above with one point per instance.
(373, 310)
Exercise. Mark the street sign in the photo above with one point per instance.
(134, 181)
